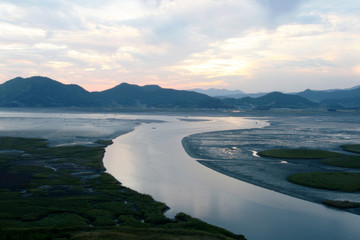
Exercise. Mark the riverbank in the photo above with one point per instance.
(233, 153)
(64, 193)
(58, 188)
(152, 160)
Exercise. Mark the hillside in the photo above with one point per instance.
(318, 96)
(45, 92)
(224, 93)
(42, 92)
(272, 100)
(343, 103)
(154, 96)
(214, 92)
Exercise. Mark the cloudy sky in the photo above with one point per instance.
(250, 45)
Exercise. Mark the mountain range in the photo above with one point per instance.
(272, 100)
(330, 99)
(224, 93)
(45, 92)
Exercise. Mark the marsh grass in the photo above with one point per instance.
(67, 193)
(23, 144)
(347, 161)
(351, 147)
(298, 153)
(338, 181)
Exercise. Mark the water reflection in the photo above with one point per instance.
(154, 162)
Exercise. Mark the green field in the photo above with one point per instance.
(352, 161)
(339, 181)
(64, 193)
(351, 148)
(298, 153)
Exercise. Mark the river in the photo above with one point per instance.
(151, 160)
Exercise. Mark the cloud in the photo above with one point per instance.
(276, 7)
(236, 44)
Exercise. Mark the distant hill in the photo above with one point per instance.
(318, 96)
(343, 103)
(154, 96)
(272, 100)
(224, 93)
(45, 92)
(335, 99)
(253, 95)
(42, 92)
(214, 92)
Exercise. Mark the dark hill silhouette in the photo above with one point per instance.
(42, 92)
(154, 96)
(318, 96)
(343, 103)
(45, 92)
(272, 100)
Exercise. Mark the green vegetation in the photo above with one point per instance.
(339, 181)
(298, 153)
(343, 161)
(64, 193)
(351, 148)
(341, 204)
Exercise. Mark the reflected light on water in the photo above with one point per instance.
(154, 162)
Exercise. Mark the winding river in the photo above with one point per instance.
(151, 160)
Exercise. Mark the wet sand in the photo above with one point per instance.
(68, 128)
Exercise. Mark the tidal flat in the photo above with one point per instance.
(235, 152)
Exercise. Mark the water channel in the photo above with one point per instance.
(152, 160)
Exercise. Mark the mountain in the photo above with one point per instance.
(45, 92)
(253, 95)
(272, 100)
(224, 93)
(335, 99)
(154, 96)
(343, 103)
(42, 92)
(318, 96)
(214, 92)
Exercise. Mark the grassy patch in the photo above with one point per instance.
(341, 204)
(344, 161)
(104, 142)
(63, 192)
(339, 181)
(153, 234)
(298, 153)
(351, 148)
(24, 144)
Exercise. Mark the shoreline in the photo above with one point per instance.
(269, 173)
(272, 188)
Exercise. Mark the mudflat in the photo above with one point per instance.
(235, 153)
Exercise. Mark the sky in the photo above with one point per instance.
(248, 45)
